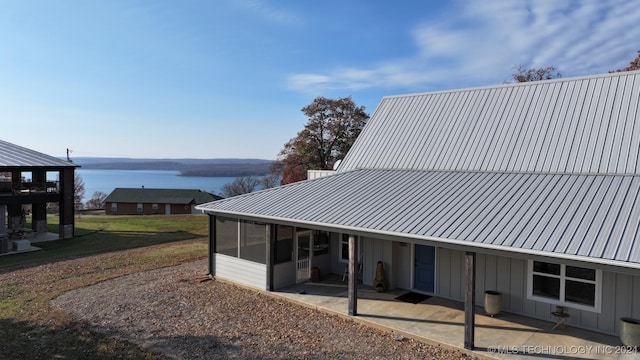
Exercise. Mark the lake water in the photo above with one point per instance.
(107, 180)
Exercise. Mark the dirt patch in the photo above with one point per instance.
(170, 311)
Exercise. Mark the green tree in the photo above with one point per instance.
(633, 65)
(522, 74)
(332, 128)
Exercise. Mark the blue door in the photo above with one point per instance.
(425, 265)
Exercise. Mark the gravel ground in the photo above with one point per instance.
(169, 310)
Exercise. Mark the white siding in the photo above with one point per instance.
(402, 265)
(315, 174)
(284, 274)
(621, 292)
(375, 250)
(241, 271)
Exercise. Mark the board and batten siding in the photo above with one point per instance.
(241, 271)
(375, 250)
(620, 292)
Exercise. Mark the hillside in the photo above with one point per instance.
(186, 167)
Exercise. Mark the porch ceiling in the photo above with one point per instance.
(578, 217)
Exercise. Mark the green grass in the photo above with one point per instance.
(99, 234)
(105, 247)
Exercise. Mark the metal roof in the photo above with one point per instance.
(163, 196)
(12, 155)
(571, 216)
(578, 125)
(547, 168)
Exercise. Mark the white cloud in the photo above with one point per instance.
(478, 43)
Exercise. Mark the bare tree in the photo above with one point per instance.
(633, 65)
(239, 186)
(78, 191)
(522, 74)
(96, 201)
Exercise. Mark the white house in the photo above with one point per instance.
(531, 189)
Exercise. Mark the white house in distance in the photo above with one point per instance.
(531, 190)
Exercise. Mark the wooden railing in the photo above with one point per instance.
(29, 187)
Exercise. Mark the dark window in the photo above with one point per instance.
(565, 284)
(581, 273)
(344, 247)
(253, 242)
(546, 287)
(580, 293)
(321, 243)
(546, 268)
(284, 244)
(227, 236)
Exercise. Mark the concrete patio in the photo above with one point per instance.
(440, 321)
(31, 239)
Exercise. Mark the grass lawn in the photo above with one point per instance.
(104, 247)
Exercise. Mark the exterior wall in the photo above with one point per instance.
(337, 266)
(374, 250)
(147, 209)
(402, 267)
(450, 274)
(241, 271)
(323, 262)
(316, 174)
(620, 292)
(284, 274)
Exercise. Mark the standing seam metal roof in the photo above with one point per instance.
(580, 125)
(548, 168)
(12, 155)
(570, 215)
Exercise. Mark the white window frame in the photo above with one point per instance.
(140, 208)
(154, 206)
(340, 243)
(563, 278)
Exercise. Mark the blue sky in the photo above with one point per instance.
(227, 78)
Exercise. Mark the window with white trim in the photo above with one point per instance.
(139, 208)
(565, 285)
(343, 249)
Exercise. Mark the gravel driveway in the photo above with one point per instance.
(170, 311)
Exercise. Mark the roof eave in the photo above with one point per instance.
(411, 238)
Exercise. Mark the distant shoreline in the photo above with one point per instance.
(185, 167)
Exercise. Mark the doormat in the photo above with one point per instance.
(413, 297)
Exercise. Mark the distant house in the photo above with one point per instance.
(145, 201)
(531, 190)
(28, 177)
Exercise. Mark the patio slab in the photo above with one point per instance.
(441, 321)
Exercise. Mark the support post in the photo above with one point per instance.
(353, 276)
(4, 241)
(212, 244)
(39, 209)
(270, 237)
(15, 210)
(469, 300)
(67, 203)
